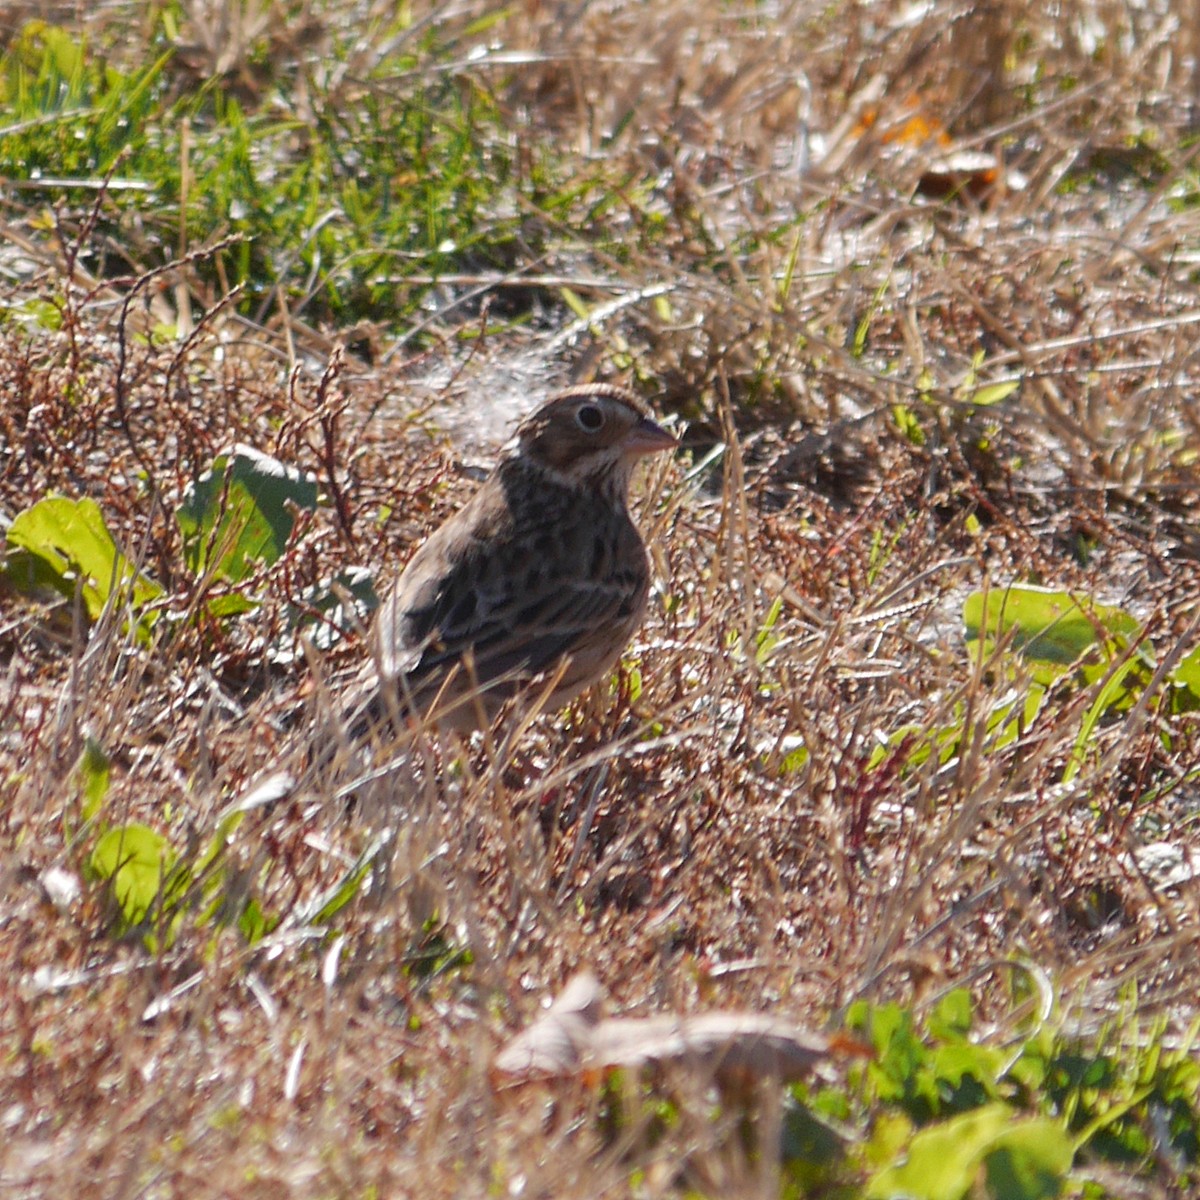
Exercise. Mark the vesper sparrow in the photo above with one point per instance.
(541, 575)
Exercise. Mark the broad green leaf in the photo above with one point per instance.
(1020, 1160)
(810, 1149)
(961, 1059)
(890, 1132)
(238, 514)
(73, 542)
(49, 50)
(66, 52)
(34, 314)
(1056, 632)
(33, 576)
(1050, 627)
(1031, 1163)
(1185, 680)
(952, 1016)
(136, 861)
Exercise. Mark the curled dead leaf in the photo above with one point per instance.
(572, 1039)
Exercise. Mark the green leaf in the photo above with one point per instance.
(1049, 627)
(73, 542)
(64, 51)
(859, 346)
(1006, 722)
(231, 604)
(784, 290)
(32, 575)
(1010, 721)
(918, 743)
(951, 1064)
(952, 1015)
(766, 640)
(225, 891)
(254, 924)
(810, 1148)
(238, 513)
(34, 314)
(95, 771)
(907, 423)
(1031, 1164)
(334, 900)
(136, 861)
(993, 393)
(1020, 1160)
(1185, 680)
(794, 754)
(575, 303)
(1057, 632)
(1115, 693)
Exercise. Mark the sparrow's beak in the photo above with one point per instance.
(647, 437)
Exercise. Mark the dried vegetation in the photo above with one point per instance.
(919, 285)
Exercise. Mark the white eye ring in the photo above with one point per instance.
(589, 418)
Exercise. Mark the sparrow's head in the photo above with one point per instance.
(592, 436)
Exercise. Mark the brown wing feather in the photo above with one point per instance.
(516, 591)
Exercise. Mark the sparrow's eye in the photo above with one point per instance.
(590, 417)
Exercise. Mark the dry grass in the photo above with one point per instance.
(666, 839)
